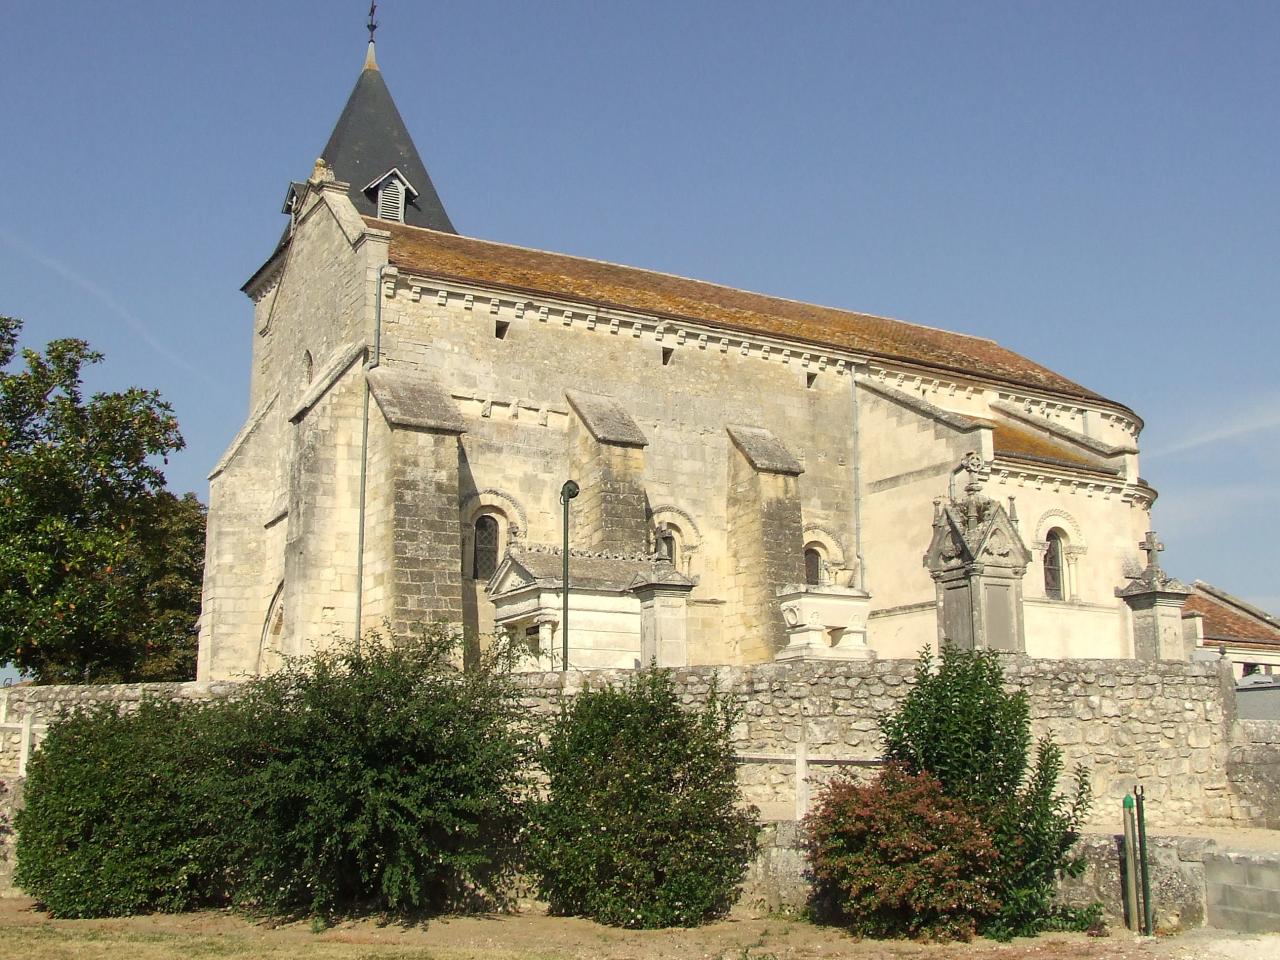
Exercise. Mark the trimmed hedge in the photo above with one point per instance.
(642, 824)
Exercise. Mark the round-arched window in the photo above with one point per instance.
(484, 556)
(1054, 587)
(813, 572)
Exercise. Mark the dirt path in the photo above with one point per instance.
(28, 934)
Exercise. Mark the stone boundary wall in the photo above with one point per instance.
(26, 711)
(1194, 881)
(1253, 770)
(10, 797)
(1168, 725)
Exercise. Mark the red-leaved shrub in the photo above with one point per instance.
(898, 858)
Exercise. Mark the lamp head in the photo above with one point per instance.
(569, 491)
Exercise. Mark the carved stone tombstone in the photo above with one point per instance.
(1155, 600)
(977, 560)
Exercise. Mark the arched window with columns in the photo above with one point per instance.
(1060, 544)
(1055, 568)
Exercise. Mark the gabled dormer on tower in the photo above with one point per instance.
(370, 149)
(392, 193)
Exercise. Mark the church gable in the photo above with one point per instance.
(510, 575)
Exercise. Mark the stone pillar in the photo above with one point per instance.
(1155, 600)
(425, 536)
(606, 458)
(765, 539)
(664, 616)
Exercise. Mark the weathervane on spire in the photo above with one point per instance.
(373, 24)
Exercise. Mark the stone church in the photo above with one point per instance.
(759, 478)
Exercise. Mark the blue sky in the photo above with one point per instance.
(1091, 184)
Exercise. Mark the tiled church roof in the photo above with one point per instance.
(1018, 442)
(607, 285)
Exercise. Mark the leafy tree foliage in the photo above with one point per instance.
(99, 565)
(959, 724)
(642, 824)
(899, 858)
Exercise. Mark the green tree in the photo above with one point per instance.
(99, 565)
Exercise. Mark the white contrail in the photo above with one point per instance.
(106, 299)
(1266, 419)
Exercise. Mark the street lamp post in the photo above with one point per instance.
(567, 493)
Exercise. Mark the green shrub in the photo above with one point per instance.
(379, 778)
(961, 725)
(117, 816)
(958, 723)
(641, 824)
(899, 858)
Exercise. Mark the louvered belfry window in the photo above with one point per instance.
(391, 200)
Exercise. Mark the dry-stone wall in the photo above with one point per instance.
(1253, 769)
(25, 711)
(10, 796)
(1166, 725)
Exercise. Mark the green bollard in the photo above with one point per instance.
(1130, 866)
(1148, 913)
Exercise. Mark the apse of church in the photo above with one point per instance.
(760, 478)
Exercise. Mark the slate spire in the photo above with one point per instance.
(370, 141)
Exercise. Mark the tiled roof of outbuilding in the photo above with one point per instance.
(608, 285)
(1227, 618)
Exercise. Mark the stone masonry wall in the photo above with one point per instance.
(1253, 770)
(1165, 725)
(427, 534)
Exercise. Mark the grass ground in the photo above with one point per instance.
(28, 934)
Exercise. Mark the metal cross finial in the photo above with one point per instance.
(373, 24)
(1151, 547)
